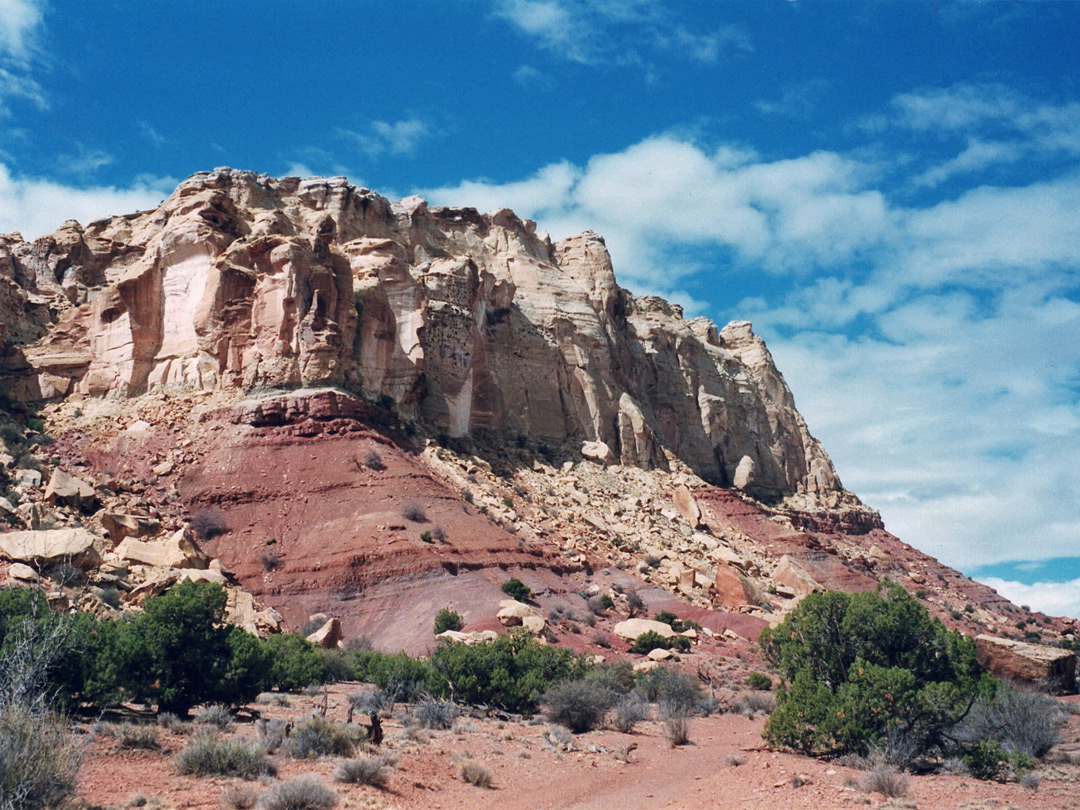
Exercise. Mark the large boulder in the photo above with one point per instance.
(513, 613)
(329, 636)
(687, 505)
(730, 588)
(632, 628)
(177, 551)
(67, 490)
(41, 549)
(1050, 667)
(475, 637)
(792, 575)
(118, 526)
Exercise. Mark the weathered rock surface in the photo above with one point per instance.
(470, 322)
(329, 636)
(1033, 663)
(68, 490)
(632, 628)
(51, 547)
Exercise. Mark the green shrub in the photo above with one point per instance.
(206, 755)
(296, 662)
(447, 619)
(759, 681)
(856, 666)
(510, 672)
(648, 641)
(516, 589)
(401, 677)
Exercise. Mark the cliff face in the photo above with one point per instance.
(470, 323)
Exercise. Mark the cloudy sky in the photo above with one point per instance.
(890, 191)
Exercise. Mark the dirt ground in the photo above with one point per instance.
(726, 765)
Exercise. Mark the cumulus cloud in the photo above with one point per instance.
(393, 138)
(36, 207)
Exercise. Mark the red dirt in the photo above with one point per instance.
(726, 766)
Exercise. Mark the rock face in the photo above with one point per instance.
(1034, 663)
(473, 324)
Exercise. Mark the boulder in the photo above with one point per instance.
(687, 505)
(24, 573)
(67, 490)
(534, 624)
(646, 665)
(730, 588)
(177, 551)
(52, 547)
(118, 526)
(329, 636)
(791, 574)
(744, 473)
(1051, 667)
(632, 628)
(27, 478)
(598, 452)
(513, 613)
(476, 637)
(659, 654)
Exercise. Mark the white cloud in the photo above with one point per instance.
(619, 31)
(394, 138)
(151, 134)
(85, 161)
(36, 207)
(19, 23)
(528, 77)
(1052, 598)
(977, 156)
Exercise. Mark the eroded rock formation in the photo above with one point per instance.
(472, 324)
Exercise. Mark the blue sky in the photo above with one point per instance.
(888, 190)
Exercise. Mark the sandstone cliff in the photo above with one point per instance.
(474, 325)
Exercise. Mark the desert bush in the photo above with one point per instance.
(634, 604)
(886, 780)
(369, 701)
(580, 704)
(302, 793)
(759, 681)
(320, 737)
(447, 619)
(852, 666)
(373, 460)
(208, 523)
(629, 710)
(516, 589)
(679, 695)
(214, 714)
(39, 757)
(648, 641)
(412, 510)
(473, 773)
(364, 770)
(207, 755)
(438, 534)
(136, 735)
(435, 714)
(170, 722)
(237, 797)
(270, 560)
(1020, 720)
(753, 703)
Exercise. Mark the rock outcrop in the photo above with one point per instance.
(473, 324)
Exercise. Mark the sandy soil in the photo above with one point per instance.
(725, 766)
